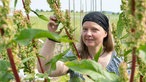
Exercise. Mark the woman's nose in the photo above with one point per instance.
(89, 32)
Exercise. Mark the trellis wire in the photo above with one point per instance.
(74, 13)
(100, 5)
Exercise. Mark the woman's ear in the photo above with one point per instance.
(105, 34)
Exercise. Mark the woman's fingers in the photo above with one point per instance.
(53, 18)
(52, 26)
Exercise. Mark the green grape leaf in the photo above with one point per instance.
(69, 56)
(53, 61)
(124, 36)
(27, 59)
(30, 76)
(76, 79)
(15, 3)
(41, 16)
(2, 47)
(120, 26)
(96, 57)
(27, 35)
(92, 69)
(126, 52)
(142, 52)
(43, 75)
(5, 74)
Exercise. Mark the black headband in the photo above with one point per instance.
(98, 18)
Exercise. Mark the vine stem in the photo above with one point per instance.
(39, 61)
(34, 42)
(2, 31)
(25, 9)
(134, 48)
(133, 7)
(9, 51)
(133, 64)
(141, 77)
(73, 43)
(68, 33)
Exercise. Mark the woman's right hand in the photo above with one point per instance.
(52, 25)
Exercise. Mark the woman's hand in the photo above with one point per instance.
(53, 25)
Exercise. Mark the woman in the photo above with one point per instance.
(95, 34)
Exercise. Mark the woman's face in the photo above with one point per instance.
(92, 34)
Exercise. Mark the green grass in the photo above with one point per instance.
(38, 24)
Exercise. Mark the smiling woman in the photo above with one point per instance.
(95, 35)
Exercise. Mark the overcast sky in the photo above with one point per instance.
(86, 5)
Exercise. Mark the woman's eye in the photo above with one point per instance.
(84, 29)
(94, 30)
